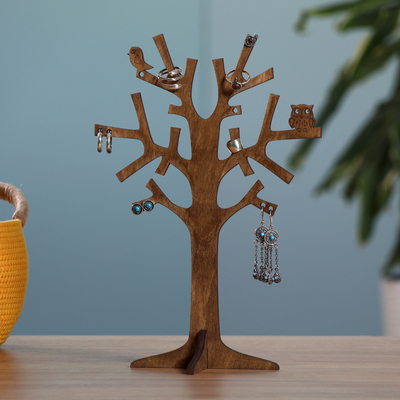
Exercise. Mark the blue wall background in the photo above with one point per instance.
(97, 269)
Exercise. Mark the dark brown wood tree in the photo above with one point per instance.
(204, 171)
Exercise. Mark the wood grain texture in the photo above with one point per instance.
(204, 171)
(97, 367)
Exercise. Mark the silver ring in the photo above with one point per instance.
(250, 41)
(109, 141)
(174, 74)
(175, 86)
(169, 79)
(236, 85)
(234, 146)
(99, 140)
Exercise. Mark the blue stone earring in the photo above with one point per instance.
(267, 239)
(137, 208)
(147, 205)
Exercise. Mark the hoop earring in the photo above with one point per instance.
(109, 141)
(99, 140)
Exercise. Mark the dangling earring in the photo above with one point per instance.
(267, 239)
(272, 242)
(260, 232)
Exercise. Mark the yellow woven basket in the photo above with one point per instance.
(13, 261)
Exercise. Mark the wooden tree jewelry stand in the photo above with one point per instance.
(204, 171)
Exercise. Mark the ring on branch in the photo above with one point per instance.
(250, 41)
(169, 79)
(234, 146)
(236, 85)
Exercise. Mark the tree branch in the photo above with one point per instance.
(257, 80)
(244, 56)
(143, 133)
(267, 135)
(172, 156)
(185, 93)
(164, 52)
(186, 81)
(169, 155)
(249, 198)
(276, 169)
(161, 198)
(225, 92)
(258, 153)
(238, 158)
(238, 73)
(136, 165)
(151, 150)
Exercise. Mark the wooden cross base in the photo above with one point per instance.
(200, 354)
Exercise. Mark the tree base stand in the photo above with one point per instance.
(199, 353)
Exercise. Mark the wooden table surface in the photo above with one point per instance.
(97, 367)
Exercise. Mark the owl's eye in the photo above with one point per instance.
(296, 110)
(307, 111)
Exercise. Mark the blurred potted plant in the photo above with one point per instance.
(370, 166)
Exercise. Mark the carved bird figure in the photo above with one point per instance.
(302, 117)
(136, 56)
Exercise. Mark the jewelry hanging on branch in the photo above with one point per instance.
(266, 267)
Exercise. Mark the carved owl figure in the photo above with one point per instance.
(302, 117)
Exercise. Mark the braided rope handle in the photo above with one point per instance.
(15, 197)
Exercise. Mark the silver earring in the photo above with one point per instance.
(109, 141)
(266, 270)
(99, 140)
(148, 205)
(137, 208)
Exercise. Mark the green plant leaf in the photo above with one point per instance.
(369, 169)
(352, 7)
(371, 55)
(362, 20)
(394, 256)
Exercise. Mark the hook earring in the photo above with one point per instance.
(272, 242)
(267, 240)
